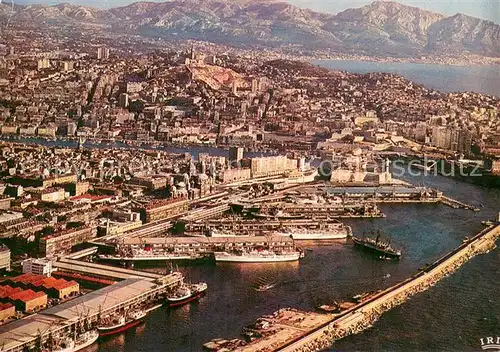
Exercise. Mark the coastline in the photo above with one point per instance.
(474, 60)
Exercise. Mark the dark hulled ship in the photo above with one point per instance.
(382, 249)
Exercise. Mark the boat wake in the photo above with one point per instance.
(265, 283)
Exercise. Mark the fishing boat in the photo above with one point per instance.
(82, 341)
(186, 294)
(124, 323)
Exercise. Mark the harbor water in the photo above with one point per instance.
(451, 316)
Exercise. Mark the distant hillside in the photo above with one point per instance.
(381, 28)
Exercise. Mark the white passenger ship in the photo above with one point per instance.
(337, 232)
(258, 257)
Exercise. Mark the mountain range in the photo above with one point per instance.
(382, 28)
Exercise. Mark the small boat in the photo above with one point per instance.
(329, 308)
(124, 323)
(186, 294)
(199, 287)
(265, 287)
(362, 297)
(82, 341)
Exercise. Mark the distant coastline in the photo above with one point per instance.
(464, 61)
(483, 79)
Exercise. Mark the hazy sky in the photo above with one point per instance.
(487, 9)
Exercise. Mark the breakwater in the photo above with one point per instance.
(367, 313)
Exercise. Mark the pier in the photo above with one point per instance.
(254, 227)
(291, 338)
(85, 311)
(457, 204)
(104, 271)
(183, 248)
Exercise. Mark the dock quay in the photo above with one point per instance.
(457, 204)
(182, 248)
(157, 228)
(254, 227)
(85, 311)
(365, 314)
(359, 199)
(354, 210)
(205, 213)
(103, 271)
(83, 253)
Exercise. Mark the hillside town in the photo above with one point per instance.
(189, 97)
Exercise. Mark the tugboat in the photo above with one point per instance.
(186, 294)
(122, 324)
(382, 250)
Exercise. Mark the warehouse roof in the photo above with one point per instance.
(108, 297)
(22, 331)
(204, 240)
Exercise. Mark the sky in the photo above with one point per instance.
(486, 9)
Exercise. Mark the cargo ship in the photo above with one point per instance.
(185, 294)
(301, 234)
(81, 342)
(258, 257)
(122, 324)
(382, 250)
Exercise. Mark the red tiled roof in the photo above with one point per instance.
(43, 281)
(26, 295)
(6, 291)
(65, 284)
(4, 306)
(26, 278)
(84, 278)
